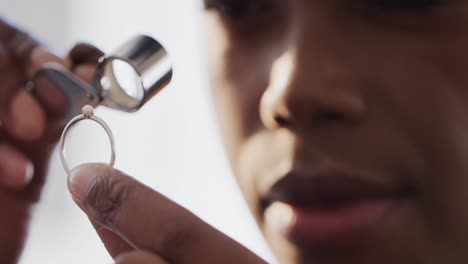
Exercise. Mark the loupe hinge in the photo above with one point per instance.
(62, 93)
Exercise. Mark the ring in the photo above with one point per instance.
(87, 114)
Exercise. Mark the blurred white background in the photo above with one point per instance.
(171, 145)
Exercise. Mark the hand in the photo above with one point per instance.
(130, 216)
(25, 139)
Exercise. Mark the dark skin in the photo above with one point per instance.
(376, 87)
(370, 94)
(26, 139)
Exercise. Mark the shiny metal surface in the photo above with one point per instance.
(124, 80)
(144, 68)
(87, 114)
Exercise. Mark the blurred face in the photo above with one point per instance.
(346, 123)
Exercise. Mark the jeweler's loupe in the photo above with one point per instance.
(124, 80)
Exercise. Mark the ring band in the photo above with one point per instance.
(87, 114)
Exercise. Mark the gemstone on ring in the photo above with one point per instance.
(87, 114)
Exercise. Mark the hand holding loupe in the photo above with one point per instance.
(124, 80)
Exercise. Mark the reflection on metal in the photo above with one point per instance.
(124, 80)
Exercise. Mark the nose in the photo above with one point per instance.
(311, 85)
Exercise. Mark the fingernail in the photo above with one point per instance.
(29, 173)
(81, 179)
(16, 171)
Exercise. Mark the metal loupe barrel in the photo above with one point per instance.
(133, 74)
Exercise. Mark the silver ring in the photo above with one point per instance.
(87, 114)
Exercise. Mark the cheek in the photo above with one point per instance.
(239, 74)
(426, 101)
(237, 106)
(443, 141)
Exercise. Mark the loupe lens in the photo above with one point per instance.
(127, 78)
(133, 74)
(122, 84)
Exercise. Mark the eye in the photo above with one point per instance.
(411, 15)
(238, 9)
(231, 8)
(405, 5)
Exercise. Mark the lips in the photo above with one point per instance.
(332, 207)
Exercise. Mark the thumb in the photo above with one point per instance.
(149, 221)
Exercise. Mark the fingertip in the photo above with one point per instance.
(83, 176)
(84, 54)
(40, 56)
(16, 170)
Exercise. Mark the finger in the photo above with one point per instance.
(21, 57)
(83, 59)
(17, 42)
(84, 54)
(139, 257)
(40, 56)
(150, 221)
(25, 119)
(114, 244)
(12, 79)
(16, 171)
(26, 51)
(85, 72)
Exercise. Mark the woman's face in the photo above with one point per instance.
(346, 123)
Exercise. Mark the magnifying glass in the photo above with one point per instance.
(124, 80)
